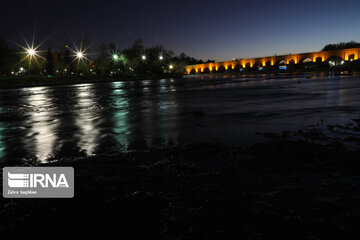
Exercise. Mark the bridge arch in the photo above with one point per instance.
(351, 55)
(221, 69)
(281, 62)
(306, 60)
(318, 59)
(292, 61)
(231, 67)
(237, 67)
(268, 63)
(255, 65)
(335, 61)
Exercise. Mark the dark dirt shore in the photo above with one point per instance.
(281, 189)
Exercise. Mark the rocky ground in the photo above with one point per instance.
(298, 185)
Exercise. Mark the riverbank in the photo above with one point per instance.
(35, 81)
(327, 72)
(299, 185)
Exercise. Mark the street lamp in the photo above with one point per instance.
(31, 52)
(161, 57)
(115, 57)
(143, 57)
(79, 55)
(171, 66)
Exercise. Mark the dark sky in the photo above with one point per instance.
(209, 29)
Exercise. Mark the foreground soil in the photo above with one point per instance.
(281, 189)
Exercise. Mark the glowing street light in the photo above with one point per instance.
(79, 55)
(171, 66)
(31, 52)
(161, 57)
(143, 57)
(115, 57)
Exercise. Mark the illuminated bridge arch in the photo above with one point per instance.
(237, 67)
(280, 62)
(206, 70)
(290, 59)
(221, 69)
(248, 65)
(335, 60)
(306, 60)
(256, 65)
(318, 59)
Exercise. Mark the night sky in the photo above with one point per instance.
(219, 30)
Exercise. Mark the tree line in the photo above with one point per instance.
(108, 60)
(341, 45)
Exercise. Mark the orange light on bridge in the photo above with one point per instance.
(351, 56)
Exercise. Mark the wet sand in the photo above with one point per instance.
(299, 185)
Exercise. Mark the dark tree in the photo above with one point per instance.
(49, 65)
(68, 62)
(342, 45)
(8, 58)
(134, 63)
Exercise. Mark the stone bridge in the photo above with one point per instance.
(344, 54)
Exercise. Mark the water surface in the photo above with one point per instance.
(43, 123)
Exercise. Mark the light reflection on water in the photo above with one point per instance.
(91, 118)
(2, 144)
(122, 126)
(86, 118)
(42, 130)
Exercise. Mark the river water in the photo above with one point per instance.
(45, 123)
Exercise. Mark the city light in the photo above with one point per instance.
(161, 57)
(171, 66)
(31, 52)
(115, 57)
(79, 55)
(143, 57)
